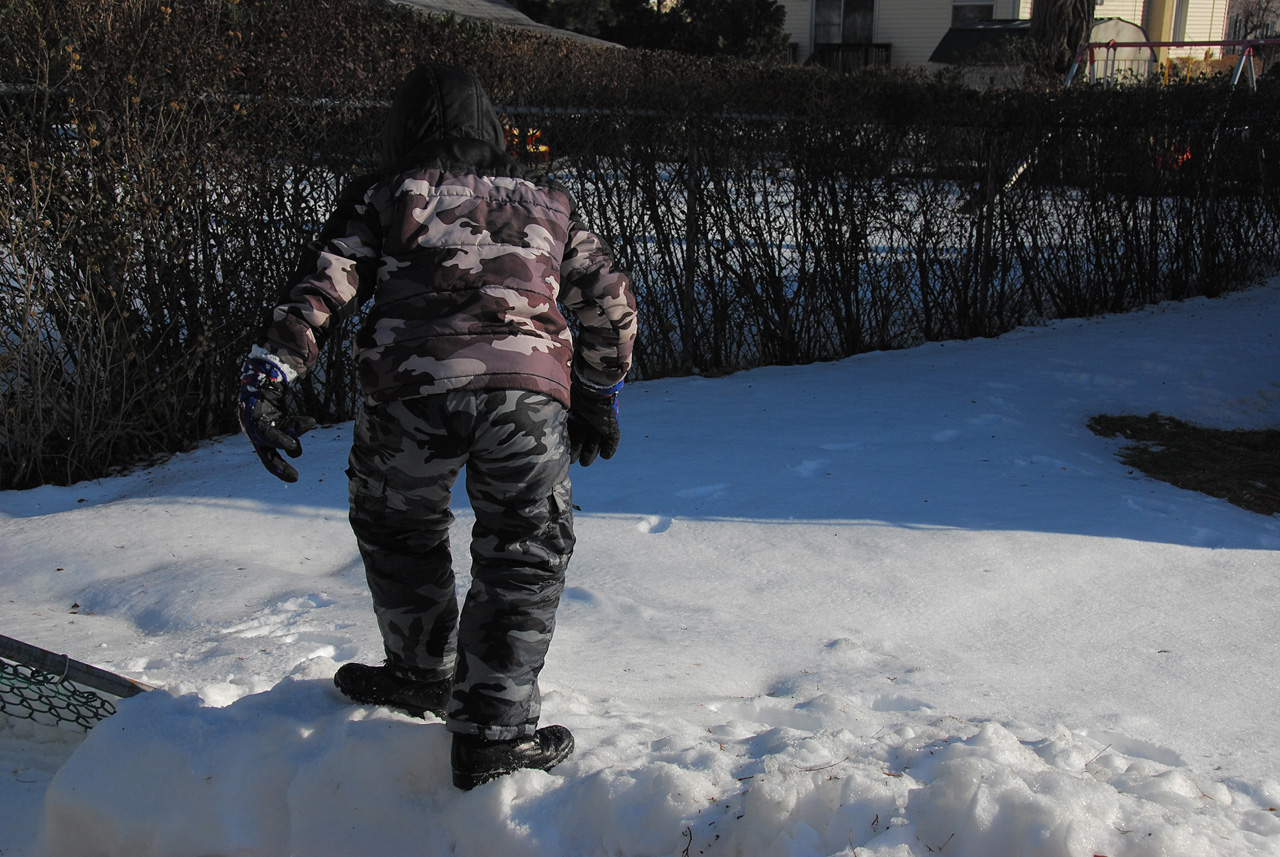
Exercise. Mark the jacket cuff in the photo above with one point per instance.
(599, 390)
(260, 353)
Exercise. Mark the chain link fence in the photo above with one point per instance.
(53, 690)
(48, 699)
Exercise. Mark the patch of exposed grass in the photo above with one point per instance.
(1237, 465)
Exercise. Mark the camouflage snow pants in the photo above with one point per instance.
(404, 460)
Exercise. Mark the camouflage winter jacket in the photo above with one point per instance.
(465, 260)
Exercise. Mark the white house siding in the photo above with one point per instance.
(1126, 10)
(797, 26)
(1206, 21)
(913, 27)
(1133, 11)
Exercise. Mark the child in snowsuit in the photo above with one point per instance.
(465, 358)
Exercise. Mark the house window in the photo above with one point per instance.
(1180, 21)
(842, 21)
(965, 12)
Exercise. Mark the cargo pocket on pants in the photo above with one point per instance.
(367, 495)
(558, 534)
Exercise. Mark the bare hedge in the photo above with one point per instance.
(160, 166)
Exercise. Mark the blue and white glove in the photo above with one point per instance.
(593, 421)
(263, 382)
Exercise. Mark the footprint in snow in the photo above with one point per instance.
(841, 447)
(1137, 748)
(771, 712)
(1207, 538)
(654, 524)
(703, 491)
(1093, 380)
(896, 702)
(811, 468)
(581, 595)
(290, 623)
(1155, 507)
(991, 420)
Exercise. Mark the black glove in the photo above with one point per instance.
(263, 418)
(593, 422)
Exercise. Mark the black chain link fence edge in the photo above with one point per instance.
(49, 699)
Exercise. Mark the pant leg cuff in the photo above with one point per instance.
(489, 733)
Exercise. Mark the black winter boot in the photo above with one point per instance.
(477, 760)
(393, 686)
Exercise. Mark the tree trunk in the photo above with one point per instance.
(1060, 27)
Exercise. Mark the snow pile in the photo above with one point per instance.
(903, 604)
(295, 771)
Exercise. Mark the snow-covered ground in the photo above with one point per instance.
(901, 604)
